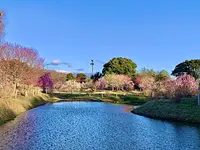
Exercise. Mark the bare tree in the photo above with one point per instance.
(19, 65)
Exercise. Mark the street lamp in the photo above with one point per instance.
(92, 64)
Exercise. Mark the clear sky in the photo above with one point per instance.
(155, 34)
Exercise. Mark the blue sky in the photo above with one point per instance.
(155, 34)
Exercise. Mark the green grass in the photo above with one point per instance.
(187, 110)
(10, 108)
(111, 97)
(135, 100)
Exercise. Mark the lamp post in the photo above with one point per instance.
(92, 64)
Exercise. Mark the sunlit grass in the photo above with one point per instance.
(187, 110)
(10, 108)
(111, 96)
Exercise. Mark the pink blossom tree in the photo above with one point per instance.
(147, 84)
(118, 82)
(100, 84)
(186, 86)
(125, 82)
(183, 86)
(45, 82)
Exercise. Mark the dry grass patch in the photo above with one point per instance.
(10, 108)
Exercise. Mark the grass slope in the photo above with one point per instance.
(10, 108)
(187, 110)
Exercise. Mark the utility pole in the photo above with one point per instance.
(92, 64)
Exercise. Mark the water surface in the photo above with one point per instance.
(94, 125)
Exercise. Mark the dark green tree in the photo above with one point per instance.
(198, 73)
(187, 67)
(120, 66)
(70, 76)
(81, 77)
(96, 76)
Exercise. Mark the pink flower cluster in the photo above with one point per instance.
(183, 86)
(118, 82)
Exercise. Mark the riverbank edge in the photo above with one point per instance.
(49, 99)
(163, 110)
(155, 109)
(38, 100)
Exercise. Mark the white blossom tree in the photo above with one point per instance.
(71, 86)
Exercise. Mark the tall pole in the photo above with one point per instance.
(92, 64)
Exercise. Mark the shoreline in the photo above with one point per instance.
(174, 120)
(155, 109)
(170, 111)
(28, 104)
(53, 100)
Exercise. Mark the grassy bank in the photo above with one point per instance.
(187, 110)
(10, 108)
(116, 97)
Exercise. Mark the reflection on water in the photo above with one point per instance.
(94, 125)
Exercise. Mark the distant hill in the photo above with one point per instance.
(88, 75)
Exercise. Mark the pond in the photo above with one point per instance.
(94, 126)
